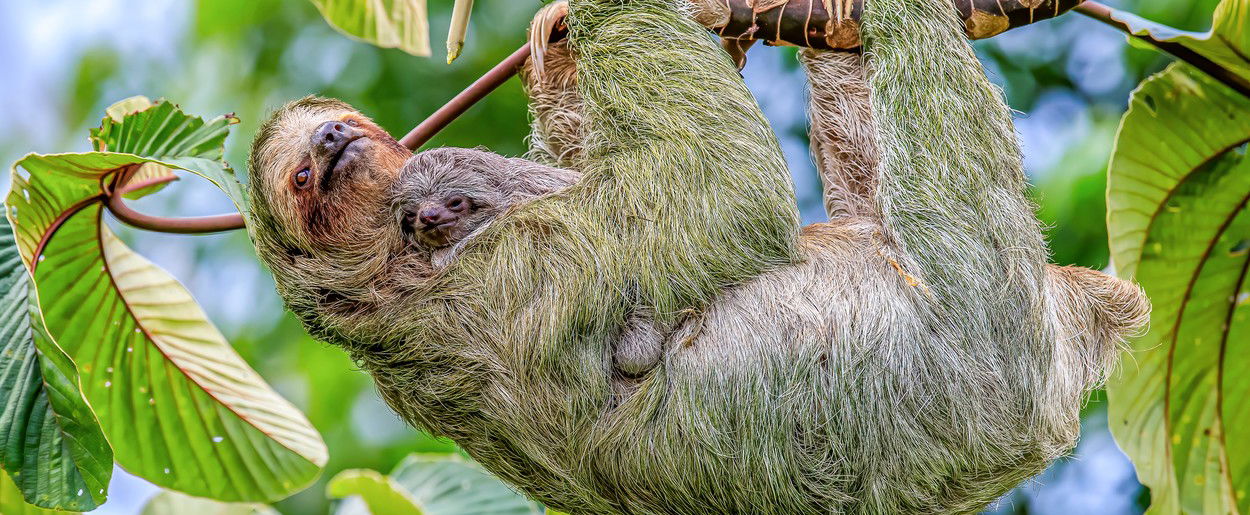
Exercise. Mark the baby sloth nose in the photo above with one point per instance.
(438, 215)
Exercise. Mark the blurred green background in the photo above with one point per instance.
(64, 61)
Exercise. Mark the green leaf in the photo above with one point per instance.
(380, 493)
(174, 503)
(1226, 43)
(431, 484)
(180, 407)
(162, 132)
(401, 24)
(1179, 225)
(11, 502)
(50, 441)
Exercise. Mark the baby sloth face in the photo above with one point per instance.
(444, 195)
(441, 220)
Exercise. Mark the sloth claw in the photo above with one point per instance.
(548, 20)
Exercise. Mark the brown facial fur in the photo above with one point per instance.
(314, 235)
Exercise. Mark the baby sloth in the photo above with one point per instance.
(444, 197)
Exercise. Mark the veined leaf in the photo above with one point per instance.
(174, 503)
(401, 24)
(50, 442)
(1179, 225)
(1225, 43)
(431, 484)
(180, 407)
(11, 502)
(163, 132)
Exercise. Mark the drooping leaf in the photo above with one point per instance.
(180, 407)
(1224, 44)
(151, 177)
(50, 442)
(174, 503)
(1179, 225)
(431, 484)
(11, 502)
(401, 24)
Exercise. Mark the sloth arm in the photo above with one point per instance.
(680, 163)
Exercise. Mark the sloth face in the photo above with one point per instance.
(443, 195)
(323, 170)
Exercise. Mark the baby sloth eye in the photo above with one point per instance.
(457, 203)
(301, 177)
(352, 122)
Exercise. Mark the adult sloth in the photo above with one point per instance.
(913, 356)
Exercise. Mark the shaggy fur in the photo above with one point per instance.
(843, 137)
(556, 108)
(914, 356)
(489, 184)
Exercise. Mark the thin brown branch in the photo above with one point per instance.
(1105, 14)
(494, 78)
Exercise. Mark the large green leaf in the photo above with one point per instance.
(431, 484)
(174, 503)
(163, 132)
(50, 441)
(1225, 44)
(1179, 225)
(180, 407)
(401, 24)
(11, 502)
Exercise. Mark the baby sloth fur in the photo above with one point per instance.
(914, 355)
(446, 196)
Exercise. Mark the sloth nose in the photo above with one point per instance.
(435, 216)
(333, 135)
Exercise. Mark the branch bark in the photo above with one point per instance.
(834, 24)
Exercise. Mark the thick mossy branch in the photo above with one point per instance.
(834, 24)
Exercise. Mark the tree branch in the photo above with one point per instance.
(115, 200)
(778, 22)
(809, 23)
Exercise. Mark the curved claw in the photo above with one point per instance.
(547, 22)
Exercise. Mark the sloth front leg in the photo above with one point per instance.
(842, 132)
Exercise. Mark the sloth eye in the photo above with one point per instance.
(455, 203)
(352, 122)
(301, 177)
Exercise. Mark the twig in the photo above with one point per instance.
(471, 95)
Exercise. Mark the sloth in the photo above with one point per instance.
(446, 196)
(916, 354)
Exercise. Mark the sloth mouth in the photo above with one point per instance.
(346, 155)
(341, 161)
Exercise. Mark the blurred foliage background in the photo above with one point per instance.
(66, 60)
